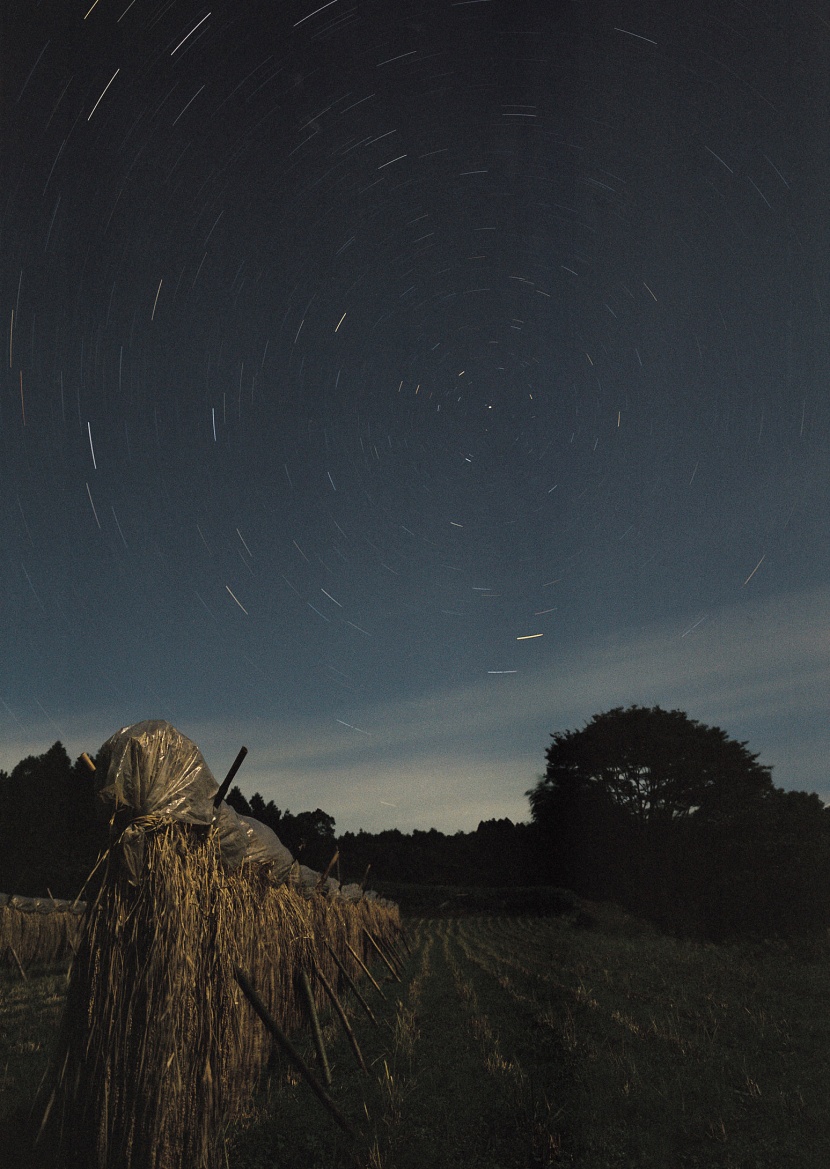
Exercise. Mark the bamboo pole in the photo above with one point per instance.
(406, 941)
(353, 986)
(291, 1051)
(365, 969)
(341, 1014)
(316, 1031)
(391, 968)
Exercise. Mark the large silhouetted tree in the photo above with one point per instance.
(671, 817)
(652, 764)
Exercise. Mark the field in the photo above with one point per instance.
(521, 1041)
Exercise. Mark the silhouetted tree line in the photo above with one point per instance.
(645, 807)
(50, 836)
(497, 853)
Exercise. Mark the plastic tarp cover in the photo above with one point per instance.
(307, 881)
(41, 904)
(150, 769)
(264, 847)
(153, 769)
(233, 840)
(308, 878)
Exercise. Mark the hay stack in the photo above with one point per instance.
(38, 930)
(159, 1048)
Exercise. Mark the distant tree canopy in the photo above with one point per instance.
(497, 853)
(652, 764)
(677, 821)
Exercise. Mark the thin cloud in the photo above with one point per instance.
(761, 671)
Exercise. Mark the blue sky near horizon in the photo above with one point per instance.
(453, 757)
(388, 386)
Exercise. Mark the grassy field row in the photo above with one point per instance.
(526, 1041)
(519, 1042)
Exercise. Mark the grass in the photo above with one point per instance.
(30, 1012)
(530, 1041)
(527, 1041)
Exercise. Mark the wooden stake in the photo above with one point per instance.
(325, 876)
(406, 941)
(23, 973)
(393, 952)
(365, 969)
(341, 1014)
(315, 1027)
(389, 965)
(351, 983)
(291, 1051)
(393, 959)
(228, 780)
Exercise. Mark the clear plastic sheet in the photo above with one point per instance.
(307, 878)
(264, 847)
(233, 840)
(154, 770)
(308, 881)
(150, 771)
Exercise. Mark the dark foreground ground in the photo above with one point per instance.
(581, 1039)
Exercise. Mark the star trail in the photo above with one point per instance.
(388, 385)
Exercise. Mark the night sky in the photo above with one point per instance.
(388, 385)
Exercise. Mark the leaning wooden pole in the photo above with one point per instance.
(353, 986)
(392, 951)
(385, 960)
(365, 969)
(342, 1016)
(324, 876)
(229, 778)
(23, 973)
(316, 1030)
(291, 1051)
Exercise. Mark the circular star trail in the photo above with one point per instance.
(385, 383)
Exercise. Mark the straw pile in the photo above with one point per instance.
(38, 930)
(159, 1049)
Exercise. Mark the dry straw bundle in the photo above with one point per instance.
(37, 930)
(158, 1047)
